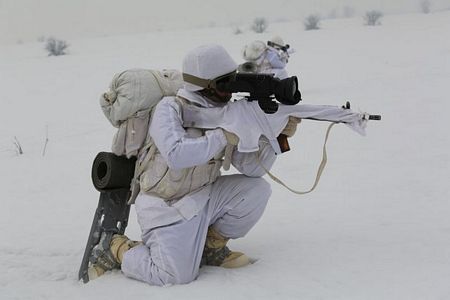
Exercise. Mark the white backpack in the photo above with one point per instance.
(128, 104)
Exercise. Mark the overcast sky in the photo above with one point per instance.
(27, 20)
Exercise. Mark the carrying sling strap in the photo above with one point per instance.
(319, 170)
(227, 158)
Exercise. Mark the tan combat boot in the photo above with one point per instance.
(109, 258)
(216, 253)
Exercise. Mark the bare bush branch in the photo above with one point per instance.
(46, 140)
(19, 150)
(56, 47)
(260, 25)
(237, 30)
(373, 17)
(425, 6)
(312, 22)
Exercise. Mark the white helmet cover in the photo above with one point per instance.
(277, 40)
(207, 62)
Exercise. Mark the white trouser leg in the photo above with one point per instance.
(239, 202)
(171, 254)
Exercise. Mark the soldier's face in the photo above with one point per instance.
(216, 96)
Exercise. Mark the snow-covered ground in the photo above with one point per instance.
(377, 227)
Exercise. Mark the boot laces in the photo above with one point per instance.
(215, 257)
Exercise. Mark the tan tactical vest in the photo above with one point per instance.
(159, 180)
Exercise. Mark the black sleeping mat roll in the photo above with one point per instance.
(110, 171)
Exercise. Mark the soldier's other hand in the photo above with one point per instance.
(291, 126)
(232, 139)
